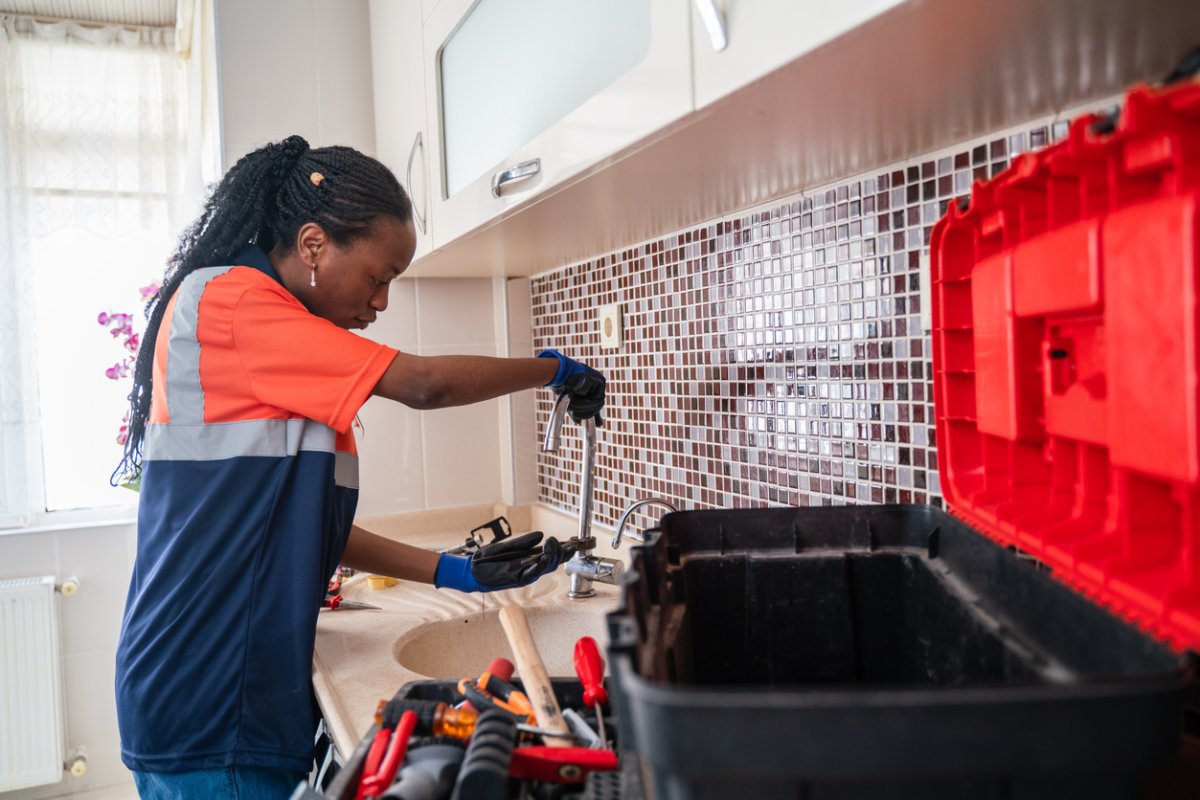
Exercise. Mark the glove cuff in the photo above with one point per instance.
(454, 572)
(560, 375)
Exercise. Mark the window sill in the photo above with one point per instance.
(53, 521)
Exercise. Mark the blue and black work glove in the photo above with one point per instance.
(584, 385)
(515, 561)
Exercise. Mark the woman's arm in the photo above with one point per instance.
(369, 552)
(441, 381)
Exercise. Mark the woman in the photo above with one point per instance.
(240, 430)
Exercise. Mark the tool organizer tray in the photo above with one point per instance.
(622, 784)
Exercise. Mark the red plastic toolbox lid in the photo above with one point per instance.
(1066, 367)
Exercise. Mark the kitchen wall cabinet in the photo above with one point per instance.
(735, 42)
(401, 132)
(802, 94)
(524, 95)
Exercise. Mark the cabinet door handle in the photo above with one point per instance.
(418, 217)
(714, 23)
(518, 172)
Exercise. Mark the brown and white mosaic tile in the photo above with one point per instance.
(778, 357)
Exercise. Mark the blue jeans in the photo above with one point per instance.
(233, 783)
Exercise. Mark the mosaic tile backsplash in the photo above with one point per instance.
(775, 358)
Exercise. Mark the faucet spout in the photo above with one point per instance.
(554, 426)
(584, 568)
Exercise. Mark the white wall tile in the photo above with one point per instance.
(391, 469)
(522, 423)
(397, 326)
(462, 455)
(462, 446)
(455, 312)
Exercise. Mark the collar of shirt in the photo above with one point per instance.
(253, 256)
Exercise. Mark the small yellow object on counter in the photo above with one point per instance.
(381, 581)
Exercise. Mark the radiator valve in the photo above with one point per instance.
(77, 764)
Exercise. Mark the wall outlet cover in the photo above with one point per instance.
(610, 326)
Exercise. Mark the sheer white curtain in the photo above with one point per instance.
(95, 184)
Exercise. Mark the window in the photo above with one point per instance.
(93, 161)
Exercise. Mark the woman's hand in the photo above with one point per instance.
(584, 385)
(507, 564)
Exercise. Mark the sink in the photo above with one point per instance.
(463, 646)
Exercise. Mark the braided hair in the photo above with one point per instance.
(265, 198)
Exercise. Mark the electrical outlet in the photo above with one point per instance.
(610, 326)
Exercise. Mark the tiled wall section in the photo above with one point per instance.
(775, 358)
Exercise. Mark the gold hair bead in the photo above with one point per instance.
(316, 178)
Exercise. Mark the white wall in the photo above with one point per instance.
(102, 559)
(294, 66)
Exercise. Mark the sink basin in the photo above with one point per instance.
(464, 646)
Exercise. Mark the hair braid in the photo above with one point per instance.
(266, 197)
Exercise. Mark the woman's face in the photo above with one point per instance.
(353, 280)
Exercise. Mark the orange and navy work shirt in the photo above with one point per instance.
(249, 486)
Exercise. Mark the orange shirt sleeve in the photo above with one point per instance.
(302, 363)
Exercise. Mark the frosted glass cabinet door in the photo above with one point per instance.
(738, 41)
(526, 93)
(401, 135)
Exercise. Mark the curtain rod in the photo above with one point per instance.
(85, 23)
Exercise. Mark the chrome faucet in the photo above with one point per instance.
(634, 506)
(583, 568)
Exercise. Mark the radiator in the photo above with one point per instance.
(31, 684)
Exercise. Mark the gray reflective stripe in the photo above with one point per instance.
(185, 397)
(271, 438)
(345, 470)
(187, 438)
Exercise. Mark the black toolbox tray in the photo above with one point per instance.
(876, 651)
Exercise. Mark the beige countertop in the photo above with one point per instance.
(355, 663)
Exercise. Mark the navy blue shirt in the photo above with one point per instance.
(249, 486)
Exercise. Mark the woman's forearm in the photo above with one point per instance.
(441, 381)
(370, 552)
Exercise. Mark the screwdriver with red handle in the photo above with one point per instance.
(589, 666)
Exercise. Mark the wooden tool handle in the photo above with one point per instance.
(533, 674)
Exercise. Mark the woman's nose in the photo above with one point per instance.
(379, 300)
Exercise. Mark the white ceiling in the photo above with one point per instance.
(158, 13)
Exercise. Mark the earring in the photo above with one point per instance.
(313, 280)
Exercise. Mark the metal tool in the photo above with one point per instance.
(500, 528)
(583, 732)
(336, 602)
(589, 666)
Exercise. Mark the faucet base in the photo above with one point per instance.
(581, 594)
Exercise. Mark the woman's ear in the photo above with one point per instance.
(310, 240)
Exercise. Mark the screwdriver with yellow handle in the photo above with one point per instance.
(442, 719)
